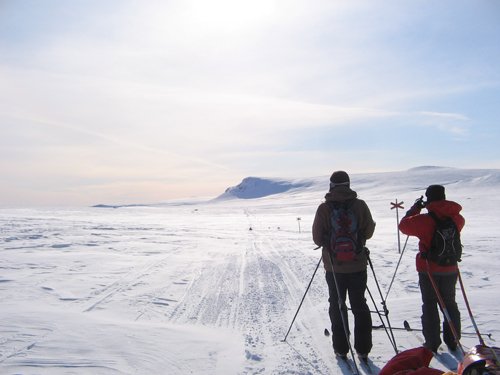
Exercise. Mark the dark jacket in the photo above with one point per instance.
(322, 227)
(423, 227)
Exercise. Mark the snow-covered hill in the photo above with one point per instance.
(416, 179)
(188, 288)
(255, 187)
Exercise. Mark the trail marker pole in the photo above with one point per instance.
(298, 221)
(397, 205)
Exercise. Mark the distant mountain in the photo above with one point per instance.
(417, 178)
(255, 187)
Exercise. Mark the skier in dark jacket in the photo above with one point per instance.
(351, 276)
(423, 226)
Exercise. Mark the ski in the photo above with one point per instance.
(344, 359)
(365, 362)
(447, 360)
(341, 359)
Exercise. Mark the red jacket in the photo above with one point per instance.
(423, 227)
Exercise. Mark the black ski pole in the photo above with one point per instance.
(406, 327)
(384, 304)
(397, 266)
(391, 340)
(307, 289)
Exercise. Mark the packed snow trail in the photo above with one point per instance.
(252, 286)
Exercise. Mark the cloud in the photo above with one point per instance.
(147, 116)
(454, 123)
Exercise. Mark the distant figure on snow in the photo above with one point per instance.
(431, 268)
(341, 226)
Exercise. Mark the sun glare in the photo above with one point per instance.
(229, 15)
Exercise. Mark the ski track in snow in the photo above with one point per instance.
(255, 285)
(116, 286)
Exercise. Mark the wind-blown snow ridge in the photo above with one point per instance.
(255, 187)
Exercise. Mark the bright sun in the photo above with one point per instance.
(229, 15)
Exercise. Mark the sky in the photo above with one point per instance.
(122, 101)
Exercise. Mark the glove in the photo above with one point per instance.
(419, 202)
(417, 207)
(423, 255)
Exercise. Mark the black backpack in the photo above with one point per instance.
(344, 240)
(446, 246)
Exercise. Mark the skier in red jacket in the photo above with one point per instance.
(423, 226)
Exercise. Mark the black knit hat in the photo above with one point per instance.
(339, 178)
(435, 193)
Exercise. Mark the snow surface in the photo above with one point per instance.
(190, 289)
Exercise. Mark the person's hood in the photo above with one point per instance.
(340, 193)
(444, 208)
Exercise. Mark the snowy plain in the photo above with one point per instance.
(211, 286)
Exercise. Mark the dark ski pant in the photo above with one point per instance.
(355, 285)
(430, 313)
